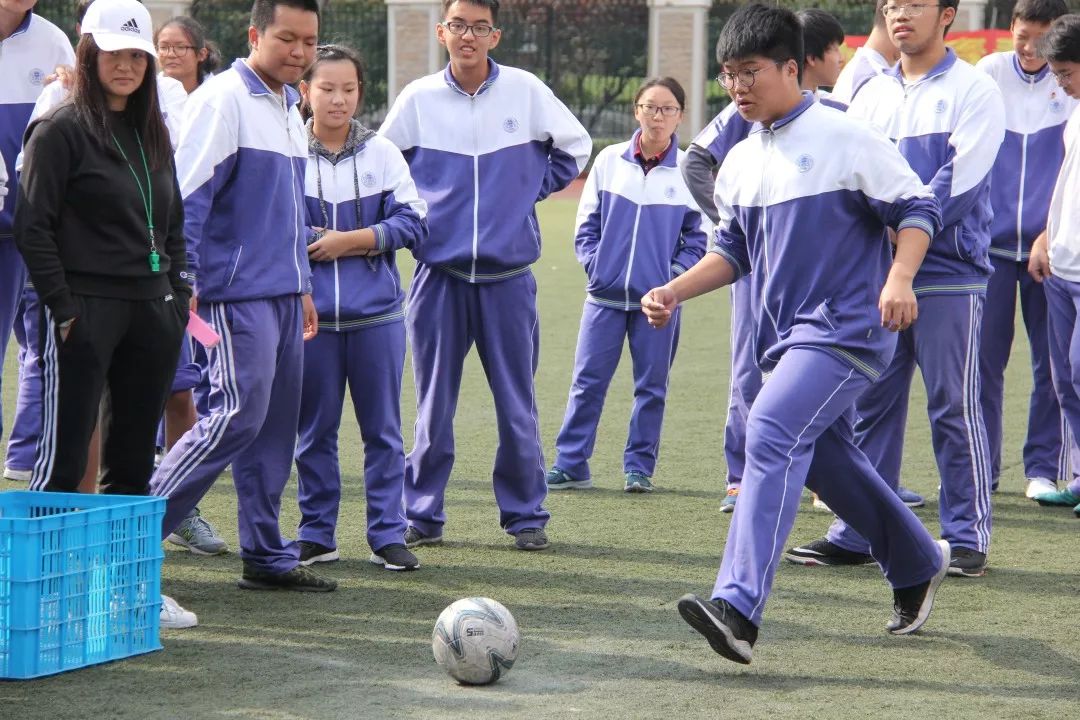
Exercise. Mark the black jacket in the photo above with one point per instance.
(80, 223)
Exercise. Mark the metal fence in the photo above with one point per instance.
(592, 54)
(856, 17)
(360, 24)
(60, 13)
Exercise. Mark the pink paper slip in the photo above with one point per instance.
(201, 331)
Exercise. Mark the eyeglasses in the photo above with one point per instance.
(459, 28)
(177, 50)
(665, 110)
(746, 78)
(913, 10)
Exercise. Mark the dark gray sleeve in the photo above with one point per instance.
(699, 172)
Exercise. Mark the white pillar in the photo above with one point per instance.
(162, 10)
(970, 15)
(678, 46)
(412, 50)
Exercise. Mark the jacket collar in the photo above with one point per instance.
(354, 143)
(804, 104)
(23, 26)
(256, 86)
(1026, 76)
(670, 158)
(943, 66)
(493, 75)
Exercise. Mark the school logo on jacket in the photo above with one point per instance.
(368, 179)
(510, 125)
(1056, 105)
(37, 76)
(804, 163)
(940, 106)
(669, 192)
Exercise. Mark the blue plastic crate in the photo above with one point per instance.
(80, 580)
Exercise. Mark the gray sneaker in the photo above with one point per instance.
(198, 536)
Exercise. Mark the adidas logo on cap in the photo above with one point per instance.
(131, 26)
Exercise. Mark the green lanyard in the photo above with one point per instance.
(147, 195)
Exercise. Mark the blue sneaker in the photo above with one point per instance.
(1061, 498)
(727, 505)
(909, 497)
(638, 483)
(560, 480)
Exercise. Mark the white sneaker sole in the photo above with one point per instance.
(181, 542)
(381, 561)
(425, 541)
(179, 624)
(324, 558)
(18, 475)
(701, 619)
(928, 601)
(572, 485)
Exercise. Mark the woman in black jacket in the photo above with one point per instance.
(100, 226)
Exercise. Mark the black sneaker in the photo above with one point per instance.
(414, 537)
(912, 605)
(300, 579)
(823, 552)
(727, 630)
(311, 553)
(967, 562)
(395, 557)
(531, 539)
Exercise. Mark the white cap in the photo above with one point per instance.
(120, 25)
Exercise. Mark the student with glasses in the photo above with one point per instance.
(187, 60)
(484, 143)
(804, 204)
(637, 227)
(822, 35)
(948, 120)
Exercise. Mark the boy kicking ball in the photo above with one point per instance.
(819, 339)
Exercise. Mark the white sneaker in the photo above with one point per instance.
(174, 617)
(1039, 486)
(18, 475)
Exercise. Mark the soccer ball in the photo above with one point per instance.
(475, 640)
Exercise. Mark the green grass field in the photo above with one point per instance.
(601, 637)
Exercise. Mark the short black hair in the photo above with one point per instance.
(1039, 11)
(492, 5)
(668, 82)
(820, 30)
(757, 29)
(943, 5)
(1062, 42)
(80, 10)
(262, 11)
(879, 14)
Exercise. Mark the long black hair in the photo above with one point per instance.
(142, 109)
(196, 35)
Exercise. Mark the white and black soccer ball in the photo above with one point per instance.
(475, 640)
